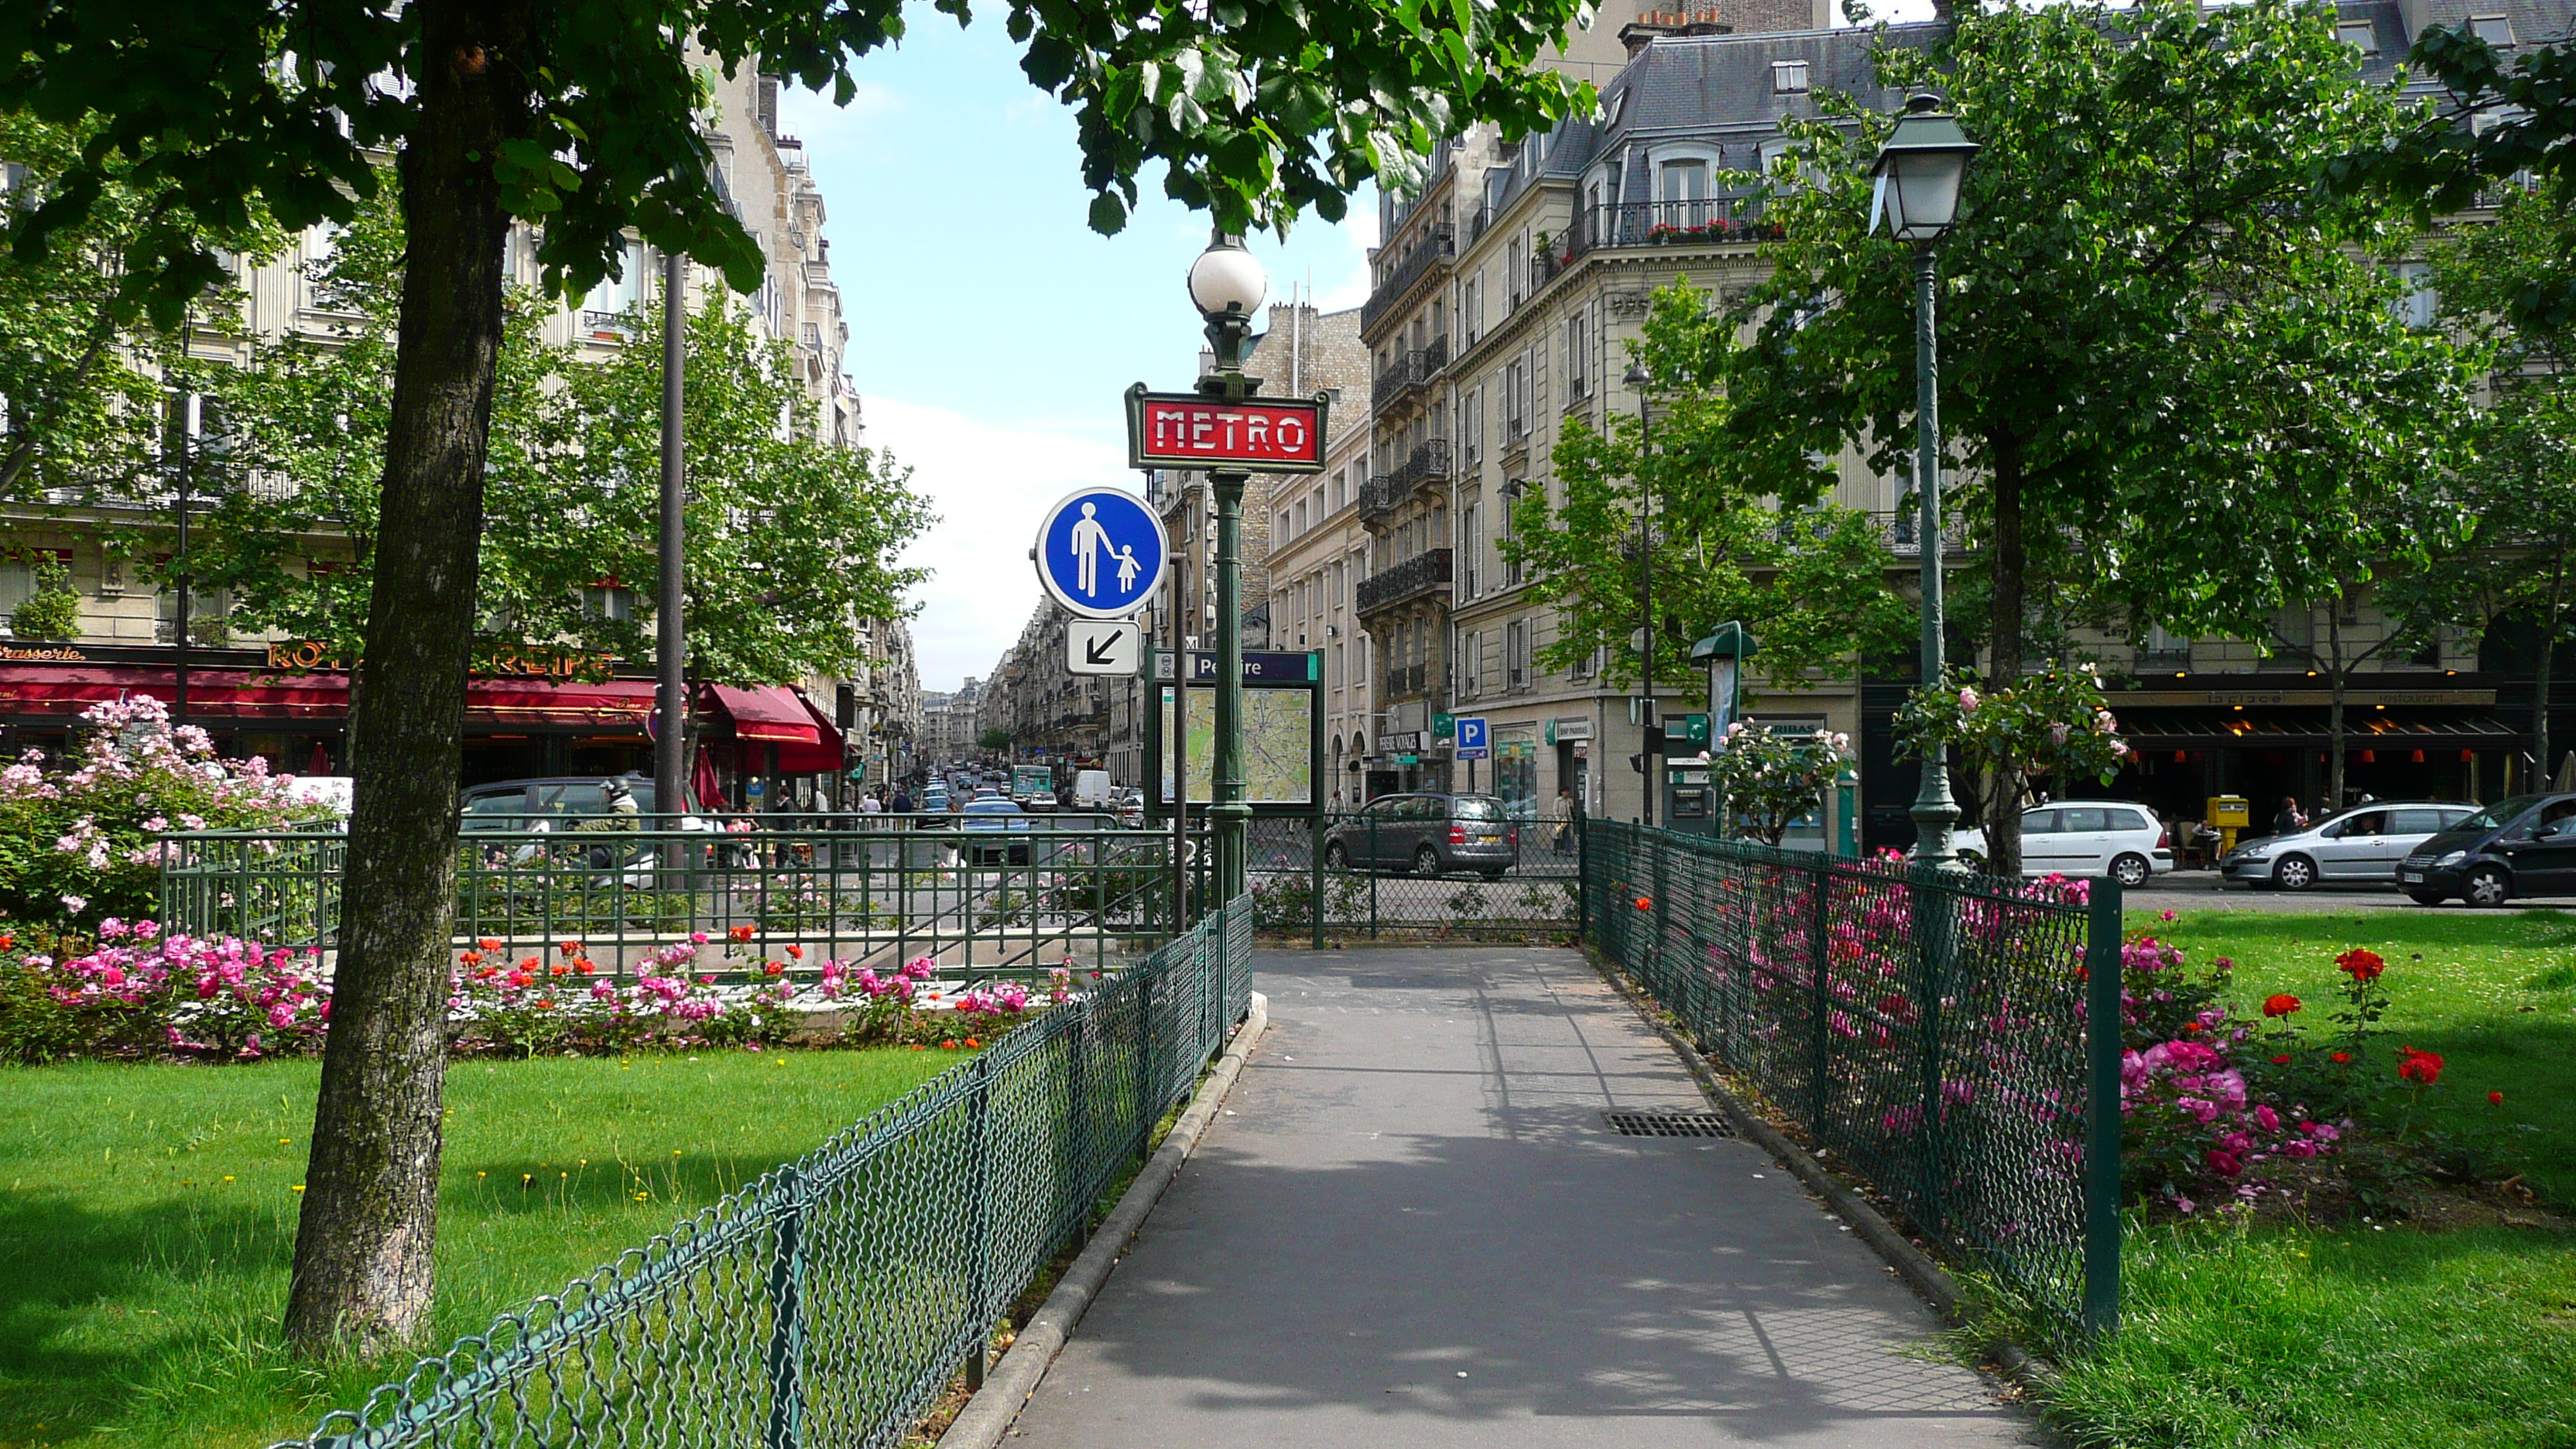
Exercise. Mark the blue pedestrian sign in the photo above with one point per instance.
(1101, 553)
(1473, 741)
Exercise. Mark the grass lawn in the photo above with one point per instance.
(2494, 993)
(2367, 1335)
(149, 1215)
(2347, 1339)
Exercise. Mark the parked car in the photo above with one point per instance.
(2524, 846)
(988, 815)
(539, 804)
(1429, 834)
(2358, 847)
(2118, 838)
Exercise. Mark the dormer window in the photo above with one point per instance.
(1788, 77)
(2495, 30)
(2361, 35)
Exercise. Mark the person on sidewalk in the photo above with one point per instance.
(1560, 815)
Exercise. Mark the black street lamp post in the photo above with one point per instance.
(1227, 285)
(1918, 173)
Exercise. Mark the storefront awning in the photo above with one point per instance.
(322, 698)
(2303, 728)
(773, 714)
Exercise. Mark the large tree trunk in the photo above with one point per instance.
(2009, 572)
(362, 1248)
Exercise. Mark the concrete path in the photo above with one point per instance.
(1413, 1228)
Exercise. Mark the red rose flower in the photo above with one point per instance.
(740, 933)
(2282, 1060)
(797, 952)
(1645, 903)
(2495, 1099)
(2362, 964)
(2342, 1057)
(489, 943)
(2420, 1067)
(470, 958)
(2280, 1003)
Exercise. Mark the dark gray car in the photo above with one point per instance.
(1427, 834)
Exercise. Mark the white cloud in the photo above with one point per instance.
(988, 481)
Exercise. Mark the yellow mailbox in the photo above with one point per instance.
(2229, 813)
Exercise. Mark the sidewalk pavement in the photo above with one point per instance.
(1412, 1227)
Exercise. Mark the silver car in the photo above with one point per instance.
(2358, 847)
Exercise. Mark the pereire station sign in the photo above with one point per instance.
(1192, 430)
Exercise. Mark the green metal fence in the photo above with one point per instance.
(831, 1302)
(1007, 896)
(1361, 877)
(1927, 1029)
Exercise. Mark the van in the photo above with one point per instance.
(1092, 790)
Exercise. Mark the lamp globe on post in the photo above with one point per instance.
(1920, 173)
(1227, 286)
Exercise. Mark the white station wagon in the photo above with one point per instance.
(2118, 838)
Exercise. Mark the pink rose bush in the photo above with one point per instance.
(76, 836)
(140, 992)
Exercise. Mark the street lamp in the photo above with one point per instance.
(1636, 377)
(1226, 285)
(1918, 175)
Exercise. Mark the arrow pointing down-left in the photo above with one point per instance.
(1096, 650)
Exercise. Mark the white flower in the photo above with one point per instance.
(75, 904)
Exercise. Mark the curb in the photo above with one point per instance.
(988, 1415)
(1926, 1277)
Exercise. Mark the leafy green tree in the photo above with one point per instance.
(1808, 581)
(2148, 309)
(52, 611)
(81, 388)
(579, 116)
(2518, 564)
(1769, 781)
(996, 739)
(2050, 726)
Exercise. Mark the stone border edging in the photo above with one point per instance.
(990, 1413)
(1911, 1263)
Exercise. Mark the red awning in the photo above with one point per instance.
(773, 714)
(242, 694)
(263, 695)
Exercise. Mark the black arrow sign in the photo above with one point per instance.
(1095, 650)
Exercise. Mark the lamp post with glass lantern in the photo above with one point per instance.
(1227, 285)
(1918, 175)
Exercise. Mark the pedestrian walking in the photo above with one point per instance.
(902, 802)
(1560, 814)
(2289, 821)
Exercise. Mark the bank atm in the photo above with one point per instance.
(1690, 801)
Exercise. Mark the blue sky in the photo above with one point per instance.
(991, 331)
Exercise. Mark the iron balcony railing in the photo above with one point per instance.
(1903, 531)
(1711, 221)
(1437, 244)
(1409, 371)
(1417, 575)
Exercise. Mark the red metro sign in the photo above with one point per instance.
(1192, 430)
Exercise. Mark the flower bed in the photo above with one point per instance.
(136, 992)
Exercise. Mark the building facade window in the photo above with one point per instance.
(1516, 654)
(1578, 354)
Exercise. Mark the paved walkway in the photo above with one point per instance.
(1413, 1228)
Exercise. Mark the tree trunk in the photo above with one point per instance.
(2008, 571)
(362, 1248)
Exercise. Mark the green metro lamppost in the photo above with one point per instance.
(1227, 286)
(1919, 172)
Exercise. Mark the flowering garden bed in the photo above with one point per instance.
(2411, 1283)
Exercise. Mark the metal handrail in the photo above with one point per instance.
(1437, 243)
(1419, 574)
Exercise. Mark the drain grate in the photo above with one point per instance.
(1668, 1124)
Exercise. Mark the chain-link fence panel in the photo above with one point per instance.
(1366, 877)
(833, 1301)
(1926, 1028)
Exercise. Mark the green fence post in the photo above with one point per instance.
(980, 1223)
(787, 1319)
(2102, 1108)
(1820, 965)
(1315, 897)
(1934, 904)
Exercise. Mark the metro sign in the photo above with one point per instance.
(1192, 430)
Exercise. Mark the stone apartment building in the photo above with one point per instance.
(948, 723)
(259, 696)
(1506, 292)
(1319, 553)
